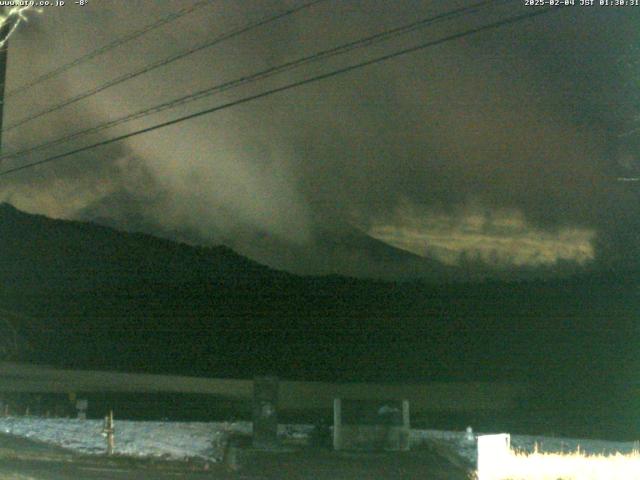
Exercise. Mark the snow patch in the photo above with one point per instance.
(204, 440)
(467, 449)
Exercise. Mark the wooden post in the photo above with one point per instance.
(109, 432)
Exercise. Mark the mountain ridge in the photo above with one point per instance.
(149, 304)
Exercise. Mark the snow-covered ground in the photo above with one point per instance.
(467, 448)
(182, 440)
(170, 440)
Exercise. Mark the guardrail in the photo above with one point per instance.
(292, 395)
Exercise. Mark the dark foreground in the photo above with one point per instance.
(22, 459)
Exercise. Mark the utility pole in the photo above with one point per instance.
(4, 51)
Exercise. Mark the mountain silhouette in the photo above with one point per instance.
(80, 295)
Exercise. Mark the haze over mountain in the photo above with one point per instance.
(347, 250)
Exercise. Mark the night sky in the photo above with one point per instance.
(509, 149)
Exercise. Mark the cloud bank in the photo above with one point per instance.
(503, 147)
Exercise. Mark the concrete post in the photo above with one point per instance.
(82, 405)
(265, 413)
(405, 436)
(337, 424)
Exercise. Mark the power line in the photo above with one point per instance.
(110, 46)
(201, 94)
(165, 61)
(490, 26)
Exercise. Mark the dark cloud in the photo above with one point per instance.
(505, 147)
